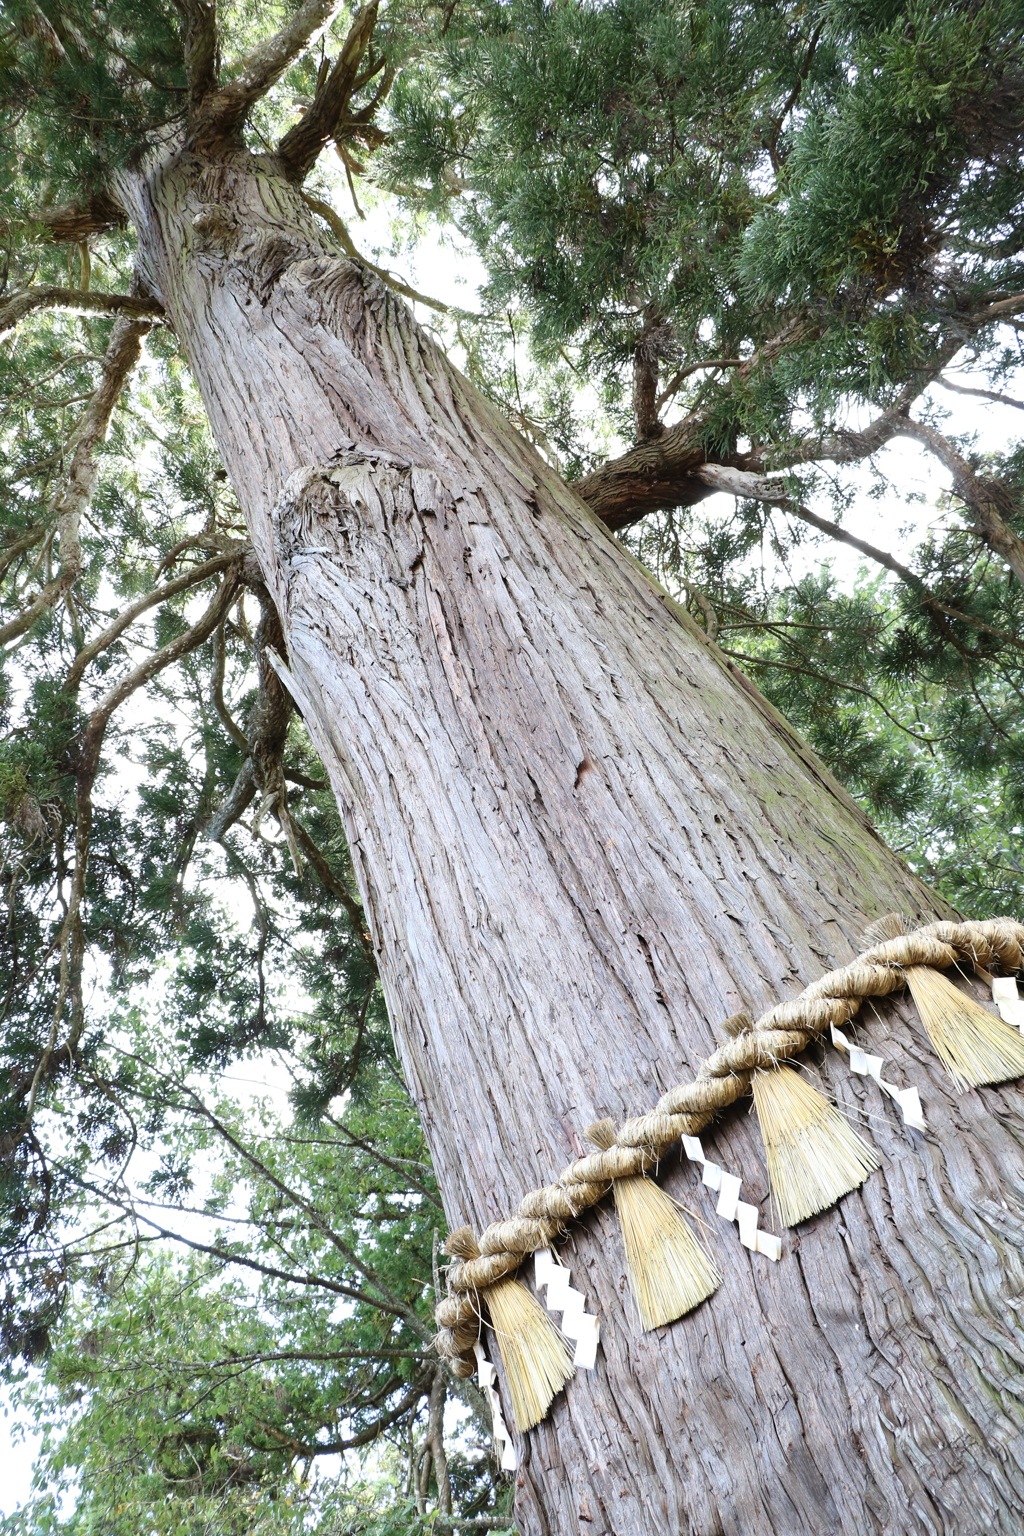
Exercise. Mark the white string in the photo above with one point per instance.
(908, 1099)
(577, 1322)
(730, 1207)
(486, 1375)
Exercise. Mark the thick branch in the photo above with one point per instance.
(651, 343)
(223, 111)
(302, 144)
(656, 475)
(75, 301)
(987, 499)
(661, 473)
(75, 222)
(10, 552)
(76, 493)
(201, 49)
(266, 731)
(239, 799)
(234, 730)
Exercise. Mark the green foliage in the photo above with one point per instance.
(706, 175)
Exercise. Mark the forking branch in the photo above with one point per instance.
(220, 112)
(301, 145)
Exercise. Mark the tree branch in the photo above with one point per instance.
(74, 222)
(330, 882)
(223, 111)
(983, 394)
(202, 47)
(365, 1437)
(74, 497)
(225, 1256)
(285, 1354)
(661, 473)
(236, 733)
(394, 1303)
(190, 578)
(339, 230)
(736, 482)
(302, 144)
(75, 301)
(988, 501)
(684, 373)
(69, 937)
(17, 547)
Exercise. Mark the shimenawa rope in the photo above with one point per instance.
(725, 1076)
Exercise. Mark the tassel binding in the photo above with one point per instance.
(813, 1155)
(536, 1358)
(669, 1271)
(974, 1046)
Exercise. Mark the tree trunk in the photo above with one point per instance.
(582, 841)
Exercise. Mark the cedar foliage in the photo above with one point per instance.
(745, 235)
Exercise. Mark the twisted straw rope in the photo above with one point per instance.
(685, 1110)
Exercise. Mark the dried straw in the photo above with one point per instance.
(813, 1155)
(536, 1357)
(669, 1271)
(973, 1045)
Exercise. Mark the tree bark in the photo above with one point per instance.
(582, 840)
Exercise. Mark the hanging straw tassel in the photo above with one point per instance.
(537, 1359)
(974, 1046)
(669, 1272)
(813, 1156)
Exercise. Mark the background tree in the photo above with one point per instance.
(783, 114)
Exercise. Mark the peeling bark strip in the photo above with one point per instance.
(556, 945)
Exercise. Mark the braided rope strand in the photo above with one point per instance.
(781, 1033)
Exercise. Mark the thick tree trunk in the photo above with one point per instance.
(582, 841)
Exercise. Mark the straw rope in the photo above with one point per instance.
(685, 1110)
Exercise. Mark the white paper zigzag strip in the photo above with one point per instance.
(730, 1206)
(486, 1375)
(577, 1322)
(908, 1099)
(1010, 1006)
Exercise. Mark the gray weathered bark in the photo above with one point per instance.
(582, 841)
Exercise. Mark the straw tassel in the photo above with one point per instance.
(669, 1272)
(974, 1046)
(537, 1359)
(814, 1157)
